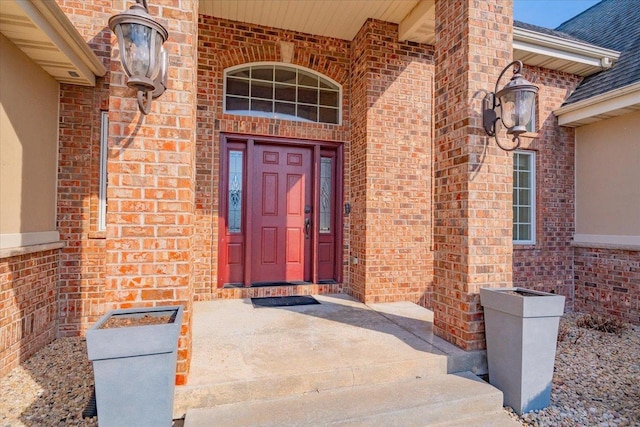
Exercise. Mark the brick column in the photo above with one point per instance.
(473, 178)
(390, 166)
(151, 180)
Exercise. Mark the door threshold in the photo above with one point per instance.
(264, 284)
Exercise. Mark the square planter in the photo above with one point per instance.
(521, 327)
(134, 353)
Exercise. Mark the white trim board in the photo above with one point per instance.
(18, 240)
(607, 239)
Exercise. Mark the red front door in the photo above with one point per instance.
(281, 214)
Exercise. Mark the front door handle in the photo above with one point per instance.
(307, 227)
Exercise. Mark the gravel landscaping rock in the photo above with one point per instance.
(596, 383)
(52, 388)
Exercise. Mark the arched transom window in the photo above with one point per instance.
(282, 91)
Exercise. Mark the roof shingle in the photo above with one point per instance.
(612, 24)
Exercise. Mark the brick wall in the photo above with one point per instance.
(390, 167)
(81, 286)
(223, 44)
(399, 260)
(548, 264)
(151, 192)
(473, 177)
(607, 281)
(28, 301)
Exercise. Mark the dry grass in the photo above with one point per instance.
(602, 323)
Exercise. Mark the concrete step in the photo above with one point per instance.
(495, 419)
(269, 386)
(431, 400)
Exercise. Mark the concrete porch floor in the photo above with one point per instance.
(242, 353)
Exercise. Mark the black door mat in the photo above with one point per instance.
(283, 301)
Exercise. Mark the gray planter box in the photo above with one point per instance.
(522, 331)
(134, 368)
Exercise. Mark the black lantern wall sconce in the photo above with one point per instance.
(516, 102)
(143, 58)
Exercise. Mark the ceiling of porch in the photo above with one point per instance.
(330, 18)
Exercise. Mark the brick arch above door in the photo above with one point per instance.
(302, 56)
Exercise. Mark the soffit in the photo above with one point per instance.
(555, 53)
(600, 107)
(331, 18)
(43, 32)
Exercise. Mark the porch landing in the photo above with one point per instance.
(255, 357)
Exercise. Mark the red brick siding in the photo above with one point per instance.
(548, 265)
(607, 281)
(28, 301)
(223, 44)
(390, 166)
(472, 228)
(81, 287)
(90, 19)
(150, 218)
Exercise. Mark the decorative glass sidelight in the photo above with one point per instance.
(326, 184)
(235, 191)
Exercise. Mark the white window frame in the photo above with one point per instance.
(532, 201)
(102, 194)
(275, 115)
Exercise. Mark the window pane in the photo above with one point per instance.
(262, 72)
(325, 84)
(521, 162)
(286, 75)
(524, 232)
(326, 186)
(307, 95)
(286, 108)
(308, 112)
(328, 115)
(237, 87)
(244, 72)
(262, 90)
(307, 79)
(235, 191)
(237, 104)
(329, 98)
(259, 105)
(286, 93)
(523, 179)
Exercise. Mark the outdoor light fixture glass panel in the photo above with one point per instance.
(140, 39)
(516, 108)
(139, 49)
(516, 102)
